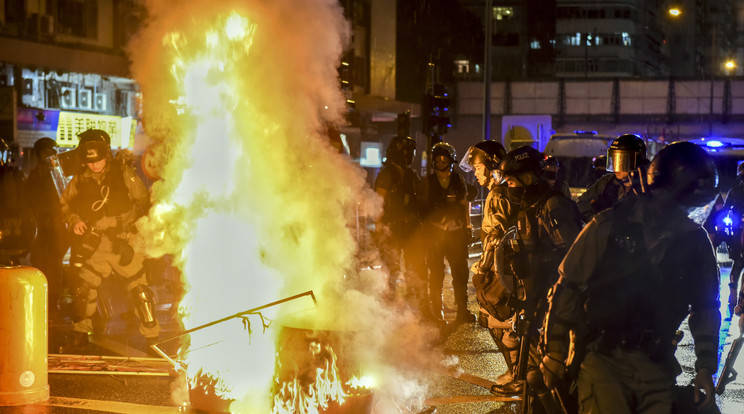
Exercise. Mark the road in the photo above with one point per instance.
(469, 349)
(474, 350)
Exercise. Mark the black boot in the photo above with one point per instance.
(436, 307)
(464, 315)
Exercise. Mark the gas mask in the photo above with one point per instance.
(515, 194)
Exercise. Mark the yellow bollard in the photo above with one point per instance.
(23, 336)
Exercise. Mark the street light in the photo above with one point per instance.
(674, 11)
(730, 65)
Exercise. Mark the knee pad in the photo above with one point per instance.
(123, 249)
(144, 305)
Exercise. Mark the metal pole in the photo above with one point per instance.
(487, 63)
(237, 315)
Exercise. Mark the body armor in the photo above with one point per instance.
(108, 199)
(444, 203)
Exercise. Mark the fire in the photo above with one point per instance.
(296, 397)
(358, 384)
(253, 204)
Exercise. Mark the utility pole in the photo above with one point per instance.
(487, 71)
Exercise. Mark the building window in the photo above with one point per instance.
(502, 13)
(575, 40)
(535, 44)
(626, 39)
(463, 66)
(15, 12)
(596, 39)
(78, 18)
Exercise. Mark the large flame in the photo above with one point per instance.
(253, 202)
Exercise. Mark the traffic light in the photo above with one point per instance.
(345, 73)
(404, 124)
(435, 111)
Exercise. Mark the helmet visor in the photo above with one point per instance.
(472, 157)
(621, 160)
(699, 214)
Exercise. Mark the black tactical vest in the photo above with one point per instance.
(444, 203)
(110, 198)
(636, 299)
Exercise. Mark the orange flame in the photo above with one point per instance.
(326, 387)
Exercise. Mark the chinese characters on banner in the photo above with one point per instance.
(71, 124)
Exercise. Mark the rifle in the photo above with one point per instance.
(729, 373)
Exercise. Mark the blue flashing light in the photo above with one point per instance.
(714, 144)
(585, 132)
(728, 221)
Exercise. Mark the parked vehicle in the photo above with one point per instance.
(575, 151)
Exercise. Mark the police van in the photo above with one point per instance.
(727, 153)
(576, 151)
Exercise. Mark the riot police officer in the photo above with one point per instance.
(547, 224)
(398, 231)
(52, 239)
(733, 210)
(599, 167)
(626, 159)
(554, 175)
(446, 225)
(483, 159)
(100, 206)
(632, 276)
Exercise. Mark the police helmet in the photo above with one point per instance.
(687, 172)
(94, 145)
(551, 167)
(444, 149)
(626, 153)
(522, 159)
(44, 146)
(599, 162)
(489, 153)
(401, 150)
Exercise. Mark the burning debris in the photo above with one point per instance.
(254, 204)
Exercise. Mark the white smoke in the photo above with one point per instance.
(254, 203)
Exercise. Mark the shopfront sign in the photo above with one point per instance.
(64, 127)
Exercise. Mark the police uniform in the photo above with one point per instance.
(109, 202)
(447, 237)
(52, 239)
(498, 215)
(601, 195)
(633, 275)
(399, 232)
(734, 202)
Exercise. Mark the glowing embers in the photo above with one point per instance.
(310, 377)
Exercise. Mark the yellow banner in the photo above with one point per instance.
(73, 123)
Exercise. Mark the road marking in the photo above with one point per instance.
(109, 406)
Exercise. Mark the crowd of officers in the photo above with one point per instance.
(93, 217)
(583, 298)
(588, 293)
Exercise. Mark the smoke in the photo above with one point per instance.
(253, 202)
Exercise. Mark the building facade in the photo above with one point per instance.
(63, 69)
(612, 38)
